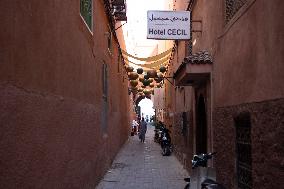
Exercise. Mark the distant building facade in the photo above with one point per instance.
(228, 93)
(64, 102)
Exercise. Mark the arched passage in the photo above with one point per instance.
(146, 107)
(139, 98)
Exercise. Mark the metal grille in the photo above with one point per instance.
(86, 11)
(232, 6)
(243, 149)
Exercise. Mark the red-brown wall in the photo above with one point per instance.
(51, 96)
(249, 58)
(246, 78)
(248, 64)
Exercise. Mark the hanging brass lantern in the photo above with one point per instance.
(152, 73)
(134, 92)
(146, 76)
(160, 74)
(147, 91)
(158, 79)
(129, 69)
(139, 70)
(146, 82)
(141, 78)
(163, 69)
(133, 83)
(133, 75)
(134, 88)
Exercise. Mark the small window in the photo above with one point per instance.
(86, 11)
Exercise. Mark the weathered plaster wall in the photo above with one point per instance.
(247, 76)
(183, 140)
(51, 96)
(266, 143)
(248, 62)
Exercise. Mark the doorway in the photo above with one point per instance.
(201, 126)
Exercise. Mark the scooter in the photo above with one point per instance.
(157, 135)
(166, 142)
(203, 177)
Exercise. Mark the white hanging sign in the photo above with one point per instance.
(170, 25)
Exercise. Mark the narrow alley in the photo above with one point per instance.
(79, 77)
(142, 166)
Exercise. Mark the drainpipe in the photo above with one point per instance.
(211, 113)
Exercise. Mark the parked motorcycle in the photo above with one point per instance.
(157, 135)
(207, 179)
(201, 160)
(166, 142)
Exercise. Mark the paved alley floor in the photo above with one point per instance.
(142, 166)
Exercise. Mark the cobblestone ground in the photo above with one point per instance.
(142, 166)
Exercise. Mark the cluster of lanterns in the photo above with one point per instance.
(143, 83)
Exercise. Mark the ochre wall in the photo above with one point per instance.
(51, 96)
(266, 143)
(248, 62)
(247, 77)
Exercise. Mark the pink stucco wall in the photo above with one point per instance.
(246, 77)
(51, 96)
(249, 58)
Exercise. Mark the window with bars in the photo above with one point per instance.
(232, 7)
(86, 11)
(243, 151)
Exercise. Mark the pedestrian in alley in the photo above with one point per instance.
(143, 130)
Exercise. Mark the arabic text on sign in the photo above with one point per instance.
(172, 19)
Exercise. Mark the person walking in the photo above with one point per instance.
(143, 130)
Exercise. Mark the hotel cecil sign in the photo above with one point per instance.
(168, 25)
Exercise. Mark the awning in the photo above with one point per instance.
(194, 69)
